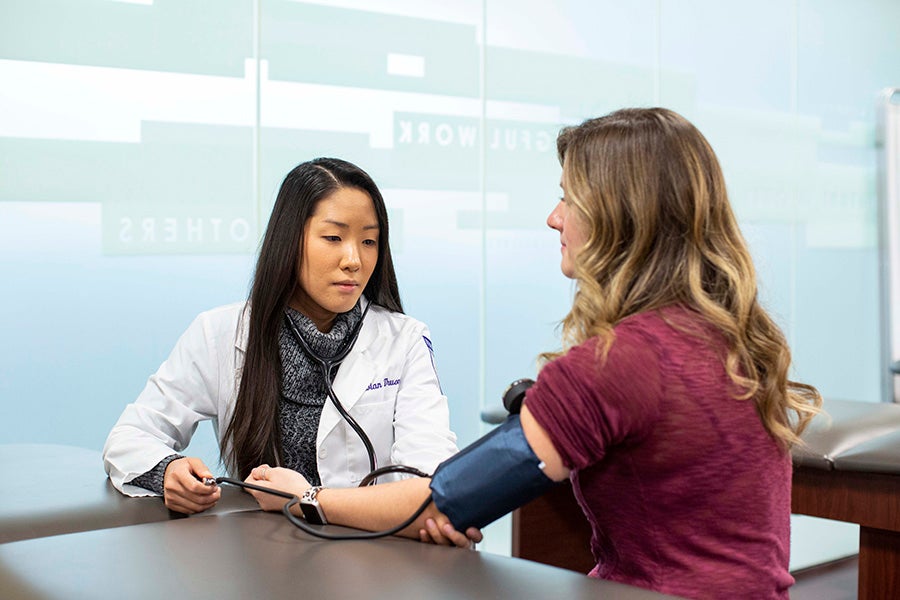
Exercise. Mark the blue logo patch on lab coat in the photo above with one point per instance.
(431, 353)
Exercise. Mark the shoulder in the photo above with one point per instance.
(639, 344)
(394, 334)
(223, 323)
(394, 323)
(227, 315)
(666, 324)
(650, 324)
(672, 329)
(636, 339)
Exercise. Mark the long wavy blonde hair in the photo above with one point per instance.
(660, 232)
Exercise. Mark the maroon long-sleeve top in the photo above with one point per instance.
(684, 489)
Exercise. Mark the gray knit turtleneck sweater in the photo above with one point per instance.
(303, 388)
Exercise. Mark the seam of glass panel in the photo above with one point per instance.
(657, 79)
(482, 166)
(257, 158)
(795, 185)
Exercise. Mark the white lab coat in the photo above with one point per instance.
(388, 383)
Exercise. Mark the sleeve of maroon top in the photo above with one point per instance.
(587, 407)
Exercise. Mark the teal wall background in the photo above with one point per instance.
(142, 144)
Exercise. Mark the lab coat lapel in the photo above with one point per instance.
(243, 330)
(354, 375)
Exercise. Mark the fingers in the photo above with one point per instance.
(182, 489)
(441, 531)
(188, 504)
(432, 534)
(455, 537)
(198, 468)
(277, 478)
(280, 478)
(185, 501)
(260, 473)
(474, 534)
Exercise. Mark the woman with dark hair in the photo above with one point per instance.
(324, 274)
(670, 407)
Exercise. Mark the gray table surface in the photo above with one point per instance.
(51, 489)
(255, 554)
(65, 532)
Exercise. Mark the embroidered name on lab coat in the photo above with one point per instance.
(377, 385)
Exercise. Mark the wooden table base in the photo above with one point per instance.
(552, 529)
(871, 500)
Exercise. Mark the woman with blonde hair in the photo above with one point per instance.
(670, 407)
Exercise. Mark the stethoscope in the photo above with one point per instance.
(512, 401)
(328, 365)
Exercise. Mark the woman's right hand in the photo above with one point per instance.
(183, 487)
(279, 478)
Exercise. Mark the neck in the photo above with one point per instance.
(322, 319)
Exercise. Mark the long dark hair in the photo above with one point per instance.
(253, 435)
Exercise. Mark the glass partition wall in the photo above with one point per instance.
(142, 144)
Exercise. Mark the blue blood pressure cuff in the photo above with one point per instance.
(495, 475)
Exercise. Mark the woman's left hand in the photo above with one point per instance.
(278, 478)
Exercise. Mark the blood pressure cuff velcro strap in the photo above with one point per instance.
(493, 476)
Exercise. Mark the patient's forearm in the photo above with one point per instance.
(379, 507)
